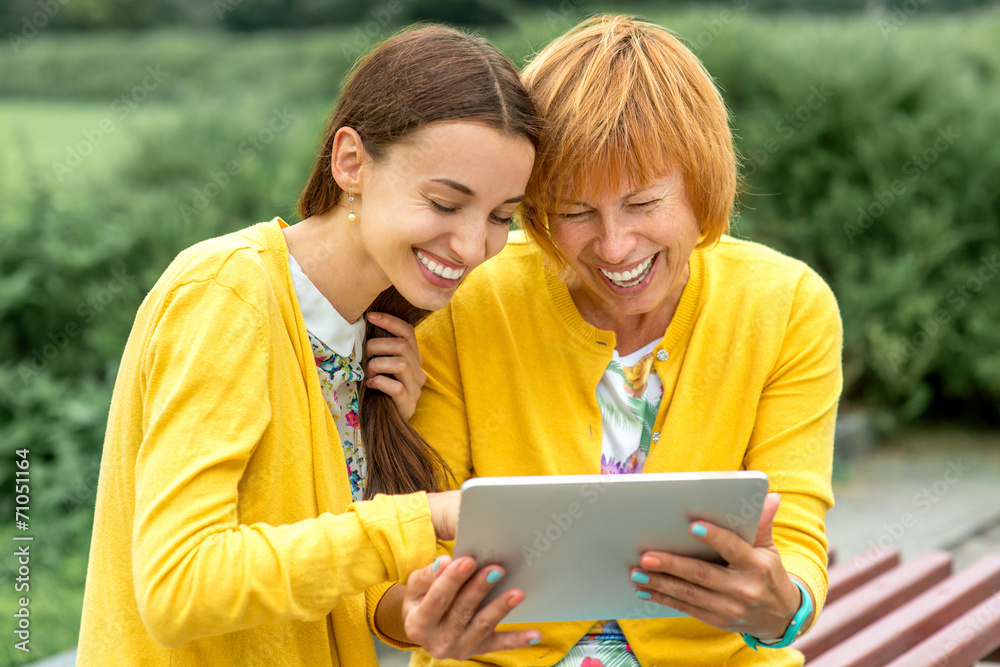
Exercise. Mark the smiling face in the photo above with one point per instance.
(628, 249)
(439, 204)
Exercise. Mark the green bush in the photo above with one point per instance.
(834, 120)
(78, 256)
(871, 158)
(868, 152)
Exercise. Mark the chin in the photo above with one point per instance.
(421, 299)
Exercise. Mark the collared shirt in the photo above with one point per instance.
(337, 347)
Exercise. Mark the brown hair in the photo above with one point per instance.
(420, 76)
(625, 101)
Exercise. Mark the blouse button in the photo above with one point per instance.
(656, 436)
(662, 355)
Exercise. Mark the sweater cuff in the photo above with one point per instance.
(815, 578)
(401, 529)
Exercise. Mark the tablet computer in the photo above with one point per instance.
(568, 541)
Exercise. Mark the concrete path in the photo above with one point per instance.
(927, 490)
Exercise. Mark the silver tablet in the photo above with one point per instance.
(568, 541)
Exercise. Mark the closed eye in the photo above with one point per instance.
(441, 207)
(645, 204)
(502, 221)
(571, 216)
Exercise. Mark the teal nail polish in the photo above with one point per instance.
(699, 530)
(493, 577)
(643, 595)
(639, 578)
(534, 641)
(437, 562)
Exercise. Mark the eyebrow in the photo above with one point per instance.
(465, 190)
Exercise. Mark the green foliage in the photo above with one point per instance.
(835, 119)
(872, 160)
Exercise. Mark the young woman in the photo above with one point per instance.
(237, 520)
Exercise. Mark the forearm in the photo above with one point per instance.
(389, 615)
(253, 575)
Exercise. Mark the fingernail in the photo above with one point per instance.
(699, 530)
(640, 578)
(643, 595)
(494, 576)
(437, 562)
(373, 316)
(532, 642)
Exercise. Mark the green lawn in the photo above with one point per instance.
(67, 139)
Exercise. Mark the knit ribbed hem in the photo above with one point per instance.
(593, 338)
(815, 578)
(680, 324)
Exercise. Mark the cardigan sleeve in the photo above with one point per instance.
(197, 570)
(792, 439)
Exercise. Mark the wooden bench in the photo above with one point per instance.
(883, 613)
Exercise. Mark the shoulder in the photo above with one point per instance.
(749, 283)
(753, 268)
(245, 262)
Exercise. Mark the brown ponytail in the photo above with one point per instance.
(425, 75)
(399, 459)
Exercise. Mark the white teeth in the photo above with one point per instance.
(630, 278)
(445, 272)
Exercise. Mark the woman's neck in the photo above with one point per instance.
(632, 330)
(331, 254)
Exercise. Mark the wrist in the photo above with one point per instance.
(795, 627)
(388, 623)
(795, 603)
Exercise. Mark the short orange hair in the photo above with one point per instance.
(624, 101)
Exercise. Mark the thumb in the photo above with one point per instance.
(764, 537)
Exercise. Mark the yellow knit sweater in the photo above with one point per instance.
(224, 531)
(752, 381)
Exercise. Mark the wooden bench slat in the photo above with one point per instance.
(962, 642)
(859, 570)
(873, 600)
(905, 627)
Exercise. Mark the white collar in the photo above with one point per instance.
(322, 319)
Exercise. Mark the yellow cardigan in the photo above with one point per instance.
(752, 380)
(224, 531)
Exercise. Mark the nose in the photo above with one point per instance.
(615, 241)
(469, 241)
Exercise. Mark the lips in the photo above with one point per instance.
(631, 277)
(440, 270)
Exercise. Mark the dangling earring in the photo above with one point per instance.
(351, 217)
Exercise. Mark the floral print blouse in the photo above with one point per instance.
(337, 348)
(339, 377)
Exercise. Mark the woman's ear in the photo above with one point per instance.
(346, 157)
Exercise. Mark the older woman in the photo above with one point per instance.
(627, 334)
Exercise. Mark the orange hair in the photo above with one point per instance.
(624, 101)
